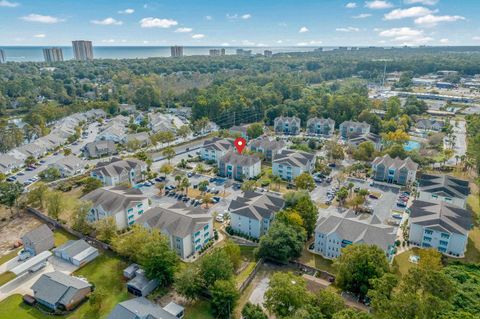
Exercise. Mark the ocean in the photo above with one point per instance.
(35, 54)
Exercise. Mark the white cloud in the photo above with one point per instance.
(432, 20)
(248, 43)
(126, 11)
(405, 36)
(347, 29)
(40, 35)
(279, 41)
(413, 12)
(8, 4)
(157, 23)
(184, 30)
(108, 41)
(313, 42)
(424, 2)
(378, 4)
(208, 18)
(246, 16)
(107, 21)
(235, 16)
(444, 41)
(33, 17)
(477, 38)
(198, 36)
(225, 44)
(303, 30)
(362, 16)
(351, 5)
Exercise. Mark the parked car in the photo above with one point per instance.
(373, 196)
(401, 203)
(212, 179)
(190, 174)
(332, 165)
(219, 218)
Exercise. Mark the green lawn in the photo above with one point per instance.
(106, 271)
(401, 262)
(199, 310)
(317, 261)
(10, 255)
(61, 237)
(6, 277)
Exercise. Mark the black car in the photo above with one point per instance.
(212, 179)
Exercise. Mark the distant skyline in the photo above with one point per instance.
(240, 23)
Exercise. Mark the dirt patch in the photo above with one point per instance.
(14, 228)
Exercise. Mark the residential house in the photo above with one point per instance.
(142, 138)
(161, 122)
(38, 240)
(239, 166)
(188, 228)
(129, 272)
(100, 148)
(240, 130)
(351, 129)
(440, 225)
(443, 188)
(336, 231)
(124, 204)
(59, 291)
(289, 164)
(77, 252)
(69, 165)
(117, 171)
(394, 170)
(140, 285)
(287, 125)
(252, 213)
(9, 163)
(430, 125)
(127, 108)
(320, 126)
(140, 308)
(375, 139)
(268, 147)
(215, 148)
(114, 132)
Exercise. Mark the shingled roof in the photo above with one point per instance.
(256, 205)
(441, 216)
(294, 158)
(267, 143)
(444, 185)
(39, 234)
(349, 227)
(178, 220)
(234, 158)
(396, 162)
(116, 166)
(139, 308)
(218, 144)
(115, 198)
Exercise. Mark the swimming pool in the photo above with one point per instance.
(411, 146)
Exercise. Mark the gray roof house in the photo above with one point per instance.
(430, 125)
(142, 138)
(38, 240)
(8, 163)
(375, 139)
(124, 204)
(336, 231)
(320, 126)
(394, 170)
(140, 308)
(59, 291)
(239, 166)
(240, 130)
(117, 171)
(287, 125)
(69, 165)
(252, 212)
(188, 228)
(268, 147)
(100, 148)
(140, 285)
(443, 188)
(77, 252)
(289, 164)
(213, 149)
(113, 132)
(351, 129)
(440, 225)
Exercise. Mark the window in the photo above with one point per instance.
(428, 232)
(434, 196)
(443, 243)
(197, 233)
(207, 234)
(445, 236)
(205, 227)
(139, 205)
(427, 239)
(130, 210)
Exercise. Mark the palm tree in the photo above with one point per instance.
(178, 179)
(207, 199)
(276, 180)
(202, 186)
(184, 184)
(160, 187)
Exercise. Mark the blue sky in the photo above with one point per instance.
(241, 22)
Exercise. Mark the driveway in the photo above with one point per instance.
(460, 142)
(22, 284)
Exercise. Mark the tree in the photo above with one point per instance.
(249, 185)
(183, 131)
(160, 186)
(351, 314)
(80, 222)
(207, 199)
(357, 265)
(132, 243)
(90, 184)
(334, 151)
(202, 186)
(393, 107)
(309, 213)
(328, 302)
(67, 151)
(169, 153)
(216, 266)
(159, 261)
(30, 160)
(200, 169)
(281, 243)
(166, 169)
(189, 282)
(37, 195)
(342, 194)
(254, 130)
(55, 204)
(106, 229)
(184, 184)
(305, 181)
(364, 152)
(224, 298)
(146, 96)
(251, 311)
(9, 194)
(50, 174)
(286, 293)
(97, 298)
(233, 252)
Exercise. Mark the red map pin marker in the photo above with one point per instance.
(240, 144)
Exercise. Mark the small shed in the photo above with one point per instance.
(175, 309)
(129, 272)
(140, 285)
(77, 252)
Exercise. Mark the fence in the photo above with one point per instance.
(312, 270)
(250, 277)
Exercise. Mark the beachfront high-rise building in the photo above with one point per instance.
(53, 55)
(82, 50)
(3, 57)
(176, 51)
(267, 53)
(217, 52)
